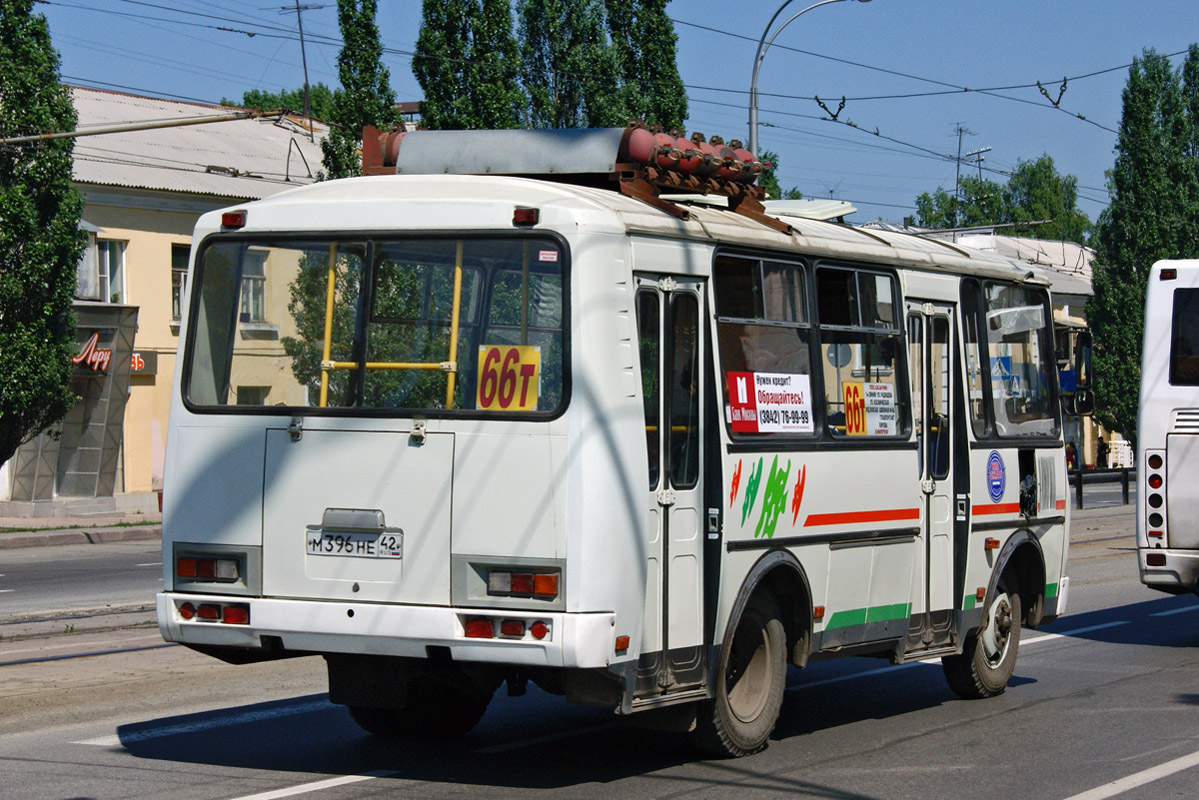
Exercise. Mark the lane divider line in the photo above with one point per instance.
(1173, 611)
(1139, 778)
(894, 668)
(316, 786)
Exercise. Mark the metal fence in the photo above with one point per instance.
(1080, 478)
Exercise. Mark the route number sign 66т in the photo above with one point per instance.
(509, 377)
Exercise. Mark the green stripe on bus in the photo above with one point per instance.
(861, 616)
(970, 602)
(1050, 590)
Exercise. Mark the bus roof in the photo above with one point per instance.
(484, 202)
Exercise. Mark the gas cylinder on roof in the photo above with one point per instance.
(751, 168)
(729, 167)
(709, 160)
(689, 155)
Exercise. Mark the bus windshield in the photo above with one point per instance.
(417, 324)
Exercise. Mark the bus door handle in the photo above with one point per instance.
(961, 507)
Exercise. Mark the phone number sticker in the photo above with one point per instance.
(770, 402)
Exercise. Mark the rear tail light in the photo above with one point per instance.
(512, 627)
(229, 614)
(1155, 499)
(523, 584)
(479, 629)
(200, 568)
(1155, 559)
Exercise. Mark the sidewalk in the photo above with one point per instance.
(41, 532)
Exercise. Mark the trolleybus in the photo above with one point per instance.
(573, 407)
(1168, 431)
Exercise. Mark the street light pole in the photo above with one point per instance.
(763, 46)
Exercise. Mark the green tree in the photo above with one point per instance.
(644, 50)
(1153, 215)
(1036, 191)
(365, 97)
(981, 202)
(567, 66)
(468, 65)
(40, 240)
(320, 100)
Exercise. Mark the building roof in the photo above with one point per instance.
(240, 159)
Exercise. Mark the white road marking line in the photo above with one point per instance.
(316, 786)
(1172, 611)
(207, 724)
(150, 564)
(892, 668)
(1139, 779)
(5, 591)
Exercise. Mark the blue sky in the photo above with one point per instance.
(883, 56)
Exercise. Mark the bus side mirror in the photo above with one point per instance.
(1082, 403)
(1082, 361)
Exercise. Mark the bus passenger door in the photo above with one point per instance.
(672, 374)
(932, 344)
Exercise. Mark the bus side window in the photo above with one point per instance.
(649, 343)
(861, 351)
(1184, 338)
(762, 325)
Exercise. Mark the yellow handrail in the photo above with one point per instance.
(450, 366)
(329, 292)
(453, 359)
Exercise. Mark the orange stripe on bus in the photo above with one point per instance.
(1001, 508)
(851, 517)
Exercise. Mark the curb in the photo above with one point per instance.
(11, 541)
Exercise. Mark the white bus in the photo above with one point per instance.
(1168, 431)
(453, 428)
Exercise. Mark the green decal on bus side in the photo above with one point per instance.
(969, 602)
(751, 491)
(1050, 591)
(861, 616)
(774, 500)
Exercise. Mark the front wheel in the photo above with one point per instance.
(434, 709)
(989, 656)
(738, 720)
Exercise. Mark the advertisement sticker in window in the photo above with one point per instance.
(769, 402)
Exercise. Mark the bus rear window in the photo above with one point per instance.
(422, 324)
(1184, 338)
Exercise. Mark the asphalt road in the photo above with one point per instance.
(1107, 693)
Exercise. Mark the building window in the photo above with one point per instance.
(110, 264)
(252, 395)
(253, 288)
(179, 256)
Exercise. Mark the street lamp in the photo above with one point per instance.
(763, 46)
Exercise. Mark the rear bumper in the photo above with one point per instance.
(582, 640)
(1179, 574)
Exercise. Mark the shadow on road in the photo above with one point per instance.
(541, 742)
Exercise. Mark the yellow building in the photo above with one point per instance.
(144, 187)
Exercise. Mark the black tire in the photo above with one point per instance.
(434, 709)
(989, 654)
(739, 719)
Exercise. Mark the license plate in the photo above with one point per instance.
(355, 545)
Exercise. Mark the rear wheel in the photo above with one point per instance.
(989, 656)
(433, 709)
(738, 720)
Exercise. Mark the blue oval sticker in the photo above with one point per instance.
(996, 476)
